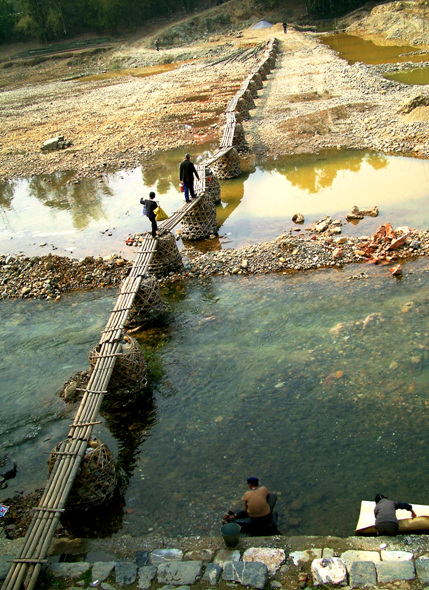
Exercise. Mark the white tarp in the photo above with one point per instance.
(262, 24)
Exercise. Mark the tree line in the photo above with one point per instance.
(49, 20)
(332, 8)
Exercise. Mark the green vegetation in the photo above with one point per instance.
(48, 20)
(332, 8)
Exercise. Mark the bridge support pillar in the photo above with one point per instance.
(200, 222)
(147, 305)
(228, 165)
(129, 373)
(212, 186)
(96, 479)
(167, 257)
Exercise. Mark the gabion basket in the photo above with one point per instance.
(212, 186)
(147, 305)
(167, 257)
(97, 478)
(129, 372)
(256, 78)
(200, 222)
(228, 165)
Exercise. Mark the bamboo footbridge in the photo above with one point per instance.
(69, 454)
(26, 568)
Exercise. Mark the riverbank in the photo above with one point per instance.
(196, 563)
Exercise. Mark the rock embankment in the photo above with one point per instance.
(47, 277)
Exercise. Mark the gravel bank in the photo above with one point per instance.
(47, 277)
(314, 100)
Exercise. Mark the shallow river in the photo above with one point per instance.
(315, 383)
(50, 214)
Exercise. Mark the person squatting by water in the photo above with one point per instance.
(256, 505)
(386, 522)
(187, 173)
(150, 206)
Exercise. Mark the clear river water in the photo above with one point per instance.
(316, 383)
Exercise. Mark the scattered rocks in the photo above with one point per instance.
(357, 213)
(47, 277)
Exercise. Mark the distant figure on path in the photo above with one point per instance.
(284, 27)
(187, 172)
(157, 44)
(386, 522)
(151, 205)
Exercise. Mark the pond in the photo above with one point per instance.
(354, 48)
(94, 217)
(315, 382)
(418, 76)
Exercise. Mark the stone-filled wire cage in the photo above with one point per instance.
(148, 305)
(167, 257)
(200, 222)
(227, 165)
(130, 371)
(97, 477)
(212, 191)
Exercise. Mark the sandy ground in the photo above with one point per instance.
(312, 100)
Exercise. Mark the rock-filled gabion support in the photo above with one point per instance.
(148, 305)
(262, 73)
(228, 165)
(200, 222)
(212, 186)
(130, 371)
(243, 109)
(167, 257)
(239, 139)
(252, 88)
(256, 78)
(97, 478)
(248, 98)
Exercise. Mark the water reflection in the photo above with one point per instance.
(96, 216)
(321, 170)
(83, 200)
(354, 48)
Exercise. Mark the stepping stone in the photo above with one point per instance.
(126, 573)
(248, 573)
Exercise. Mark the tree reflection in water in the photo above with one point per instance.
(84, 200)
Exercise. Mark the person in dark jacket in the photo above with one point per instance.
(187, 173)
(386, 522)
(150, 205)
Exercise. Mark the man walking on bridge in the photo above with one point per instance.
(187, 172)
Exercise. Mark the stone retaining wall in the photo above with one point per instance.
(264, 562)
